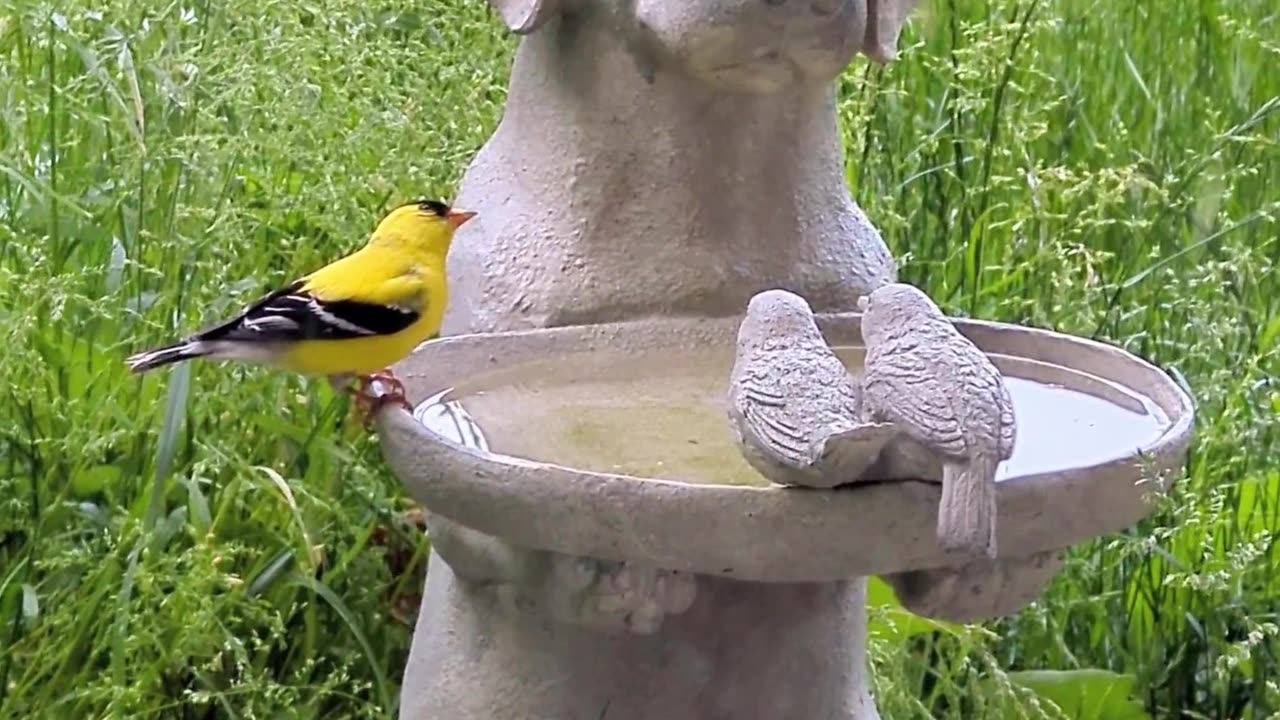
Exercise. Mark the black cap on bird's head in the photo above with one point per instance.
(435, 207)
(442, 210)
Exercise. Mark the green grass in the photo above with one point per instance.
(215, 543)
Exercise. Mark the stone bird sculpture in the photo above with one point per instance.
(793, 406)
(938, 388)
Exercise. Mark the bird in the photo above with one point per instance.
(347, 321)
(793, 406)
(932, 382)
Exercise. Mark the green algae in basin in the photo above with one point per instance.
(663, 415)
(657, 416)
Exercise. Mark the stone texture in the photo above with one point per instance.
(742, 651)
(977, 590)
(607, 596)
(926, 378)
(793, 406)
(655, 157)
(772, 572)
(812, 536)
(668, 158)
(661, 162)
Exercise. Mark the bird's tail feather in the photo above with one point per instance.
(967, 513)
(852, 448)
(177, 352)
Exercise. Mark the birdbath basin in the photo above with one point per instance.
(610, 441)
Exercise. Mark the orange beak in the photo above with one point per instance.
(456, 218)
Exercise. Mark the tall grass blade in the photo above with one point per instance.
(174, 415)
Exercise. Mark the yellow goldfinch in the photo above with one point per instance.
(350, 319)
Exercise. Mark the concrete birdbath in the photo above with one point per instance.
(602, 544)
(644, 565)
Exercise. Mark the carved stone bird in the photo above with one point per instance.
(938, 388)
(792, 404)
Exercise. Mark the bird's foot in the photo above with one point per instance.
(368, 401)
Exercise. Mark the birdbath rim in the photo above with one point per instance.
(771, 533)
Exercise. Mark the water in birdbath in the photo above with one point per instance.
(655, 416)
(662, 415)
